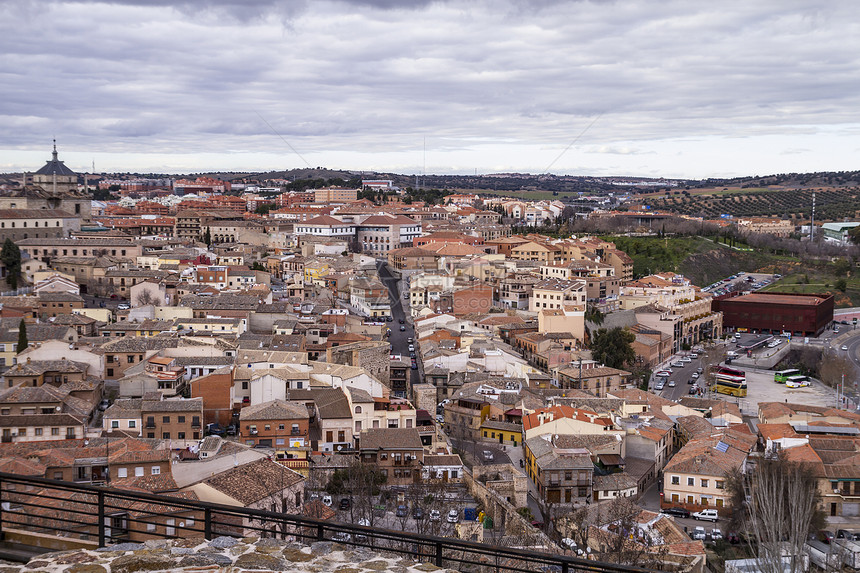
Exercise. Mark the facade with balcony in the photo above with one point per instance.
(277, 423)
(562, 476)
(397, 452)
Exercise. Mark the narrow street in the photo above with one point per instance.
(398, 339)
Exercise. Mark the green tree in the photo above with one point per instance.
(207, 237)
(841, 267)
(854, 234)
(22, 337)
(264, 208)
(593, 314)
(10, 256)
(613, 347)
(841, 285)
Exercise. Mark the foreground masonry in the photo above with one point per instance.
(222, 554)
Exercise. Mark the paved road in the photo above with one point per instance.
(399, 340)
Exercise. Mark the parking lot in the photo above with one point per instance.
(760, 384)
(754, 280)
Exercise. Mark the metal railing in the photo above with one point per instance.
(104, 515)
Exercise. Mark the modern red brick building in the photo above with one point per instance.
(800, 314)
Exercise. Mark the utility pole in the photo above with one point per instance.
(812, 221)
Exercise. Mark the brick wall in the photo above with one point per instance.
(215, 391)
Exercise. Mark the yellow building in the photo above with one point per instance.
(315, 272)
(506, 433)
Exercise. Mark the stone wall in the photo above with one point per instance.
(515, 527)
(222, 554)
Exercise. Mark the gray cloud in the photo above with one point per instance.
(379, 76)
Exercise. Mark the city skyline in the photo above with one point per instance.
(673, 89)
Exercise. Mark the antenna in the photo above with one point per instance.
(424, 169)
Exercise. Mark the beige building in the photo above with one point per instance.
(765, 225)
(17, 224)
(335, 195)
(696, 477)
(555, 294)
(568, 318)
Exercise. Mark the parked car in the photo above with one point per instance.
(825, 536)
(123, 306)
(417, 512)
(402, 328)
(671, 383)
(707, 515)
(435, 515)
(327, 500)
(402, 511)
(844, 347)
(214, 430)
(453, 516)
(487, 455)
(693, 390)
(676, 511)
(401, 321)
(695, 376)
(698, 533)
(345, 503)
(663, 373)
(569, 543)
(103, 405)
(699, 370)
(341, 537)
(691, 381)
(716, 534)
(845, 534)
(659, 385)
(733, 538)
(232, 430)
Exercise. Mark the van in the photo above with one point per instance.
(707, 515)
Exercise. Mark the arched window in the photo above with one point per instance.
(358, 409)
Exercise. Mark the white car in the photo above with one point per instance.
(695, 375)
(453, 516)
(844, 347)
(716, 534)
(435, 515)
(327, 500)
(707, 515)
(686, 360)
(663, 373)
(671, 383)
(659, 386)
(341, 537)
(698, 533)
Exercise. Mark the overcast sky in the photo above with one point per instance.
(657, 88)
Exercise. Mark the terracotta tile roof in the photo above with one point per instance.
(255, 481)
(391, 439)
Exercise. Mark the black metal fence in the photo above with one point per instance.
(106, 516)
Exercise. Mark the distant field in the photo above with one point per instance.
(819, 283)
(795, 204)
(525, 195)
